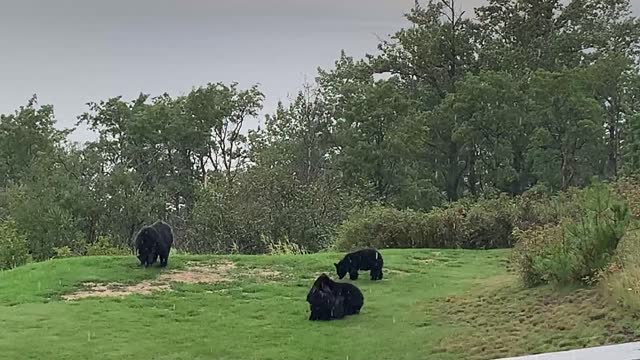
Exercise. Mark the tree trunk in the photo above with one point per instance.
(612, 159)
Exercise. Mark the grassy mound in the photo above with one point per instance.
(449, 304)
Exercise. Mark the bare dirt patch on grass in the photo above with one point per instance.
(115, 290)
(200, 274)
(195, 273)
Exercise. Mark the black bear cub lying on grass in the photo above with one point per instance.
(365, 259)
(154, 241)
(333, 300)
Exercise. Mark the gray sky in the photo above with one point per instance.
(70, 52)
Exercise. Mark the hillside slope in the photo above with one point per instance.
(431, 304)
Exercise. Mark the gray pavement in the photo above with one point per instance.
(629, 351)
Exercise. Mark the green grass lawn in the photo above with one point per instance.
(449, 304)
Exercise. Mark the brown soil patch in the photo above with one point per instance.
(200, 274)
(193, 274)
(115, 290)
(267, 273)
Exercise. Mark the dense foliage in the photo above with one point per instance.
(527, 95)
(580, 246)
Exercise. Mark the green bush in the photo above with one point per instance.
(13, 246)
(621, 279)
(490, 224)
(530, 245)
(485, 224)
(381, 227)
(104, 246)
(282, 247)
(62, 252)
(576, 250)
(629, 189)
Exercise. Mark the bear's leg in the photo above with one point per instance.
(376, 274)
(353, 275)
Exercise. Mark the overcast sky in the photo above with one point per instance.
(70, 52)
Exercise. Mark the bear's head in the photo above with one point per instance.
(341, 269)
(146, 243)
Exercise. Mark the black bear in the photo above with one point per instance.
(332, 300)
(365, 259)
(154, 241)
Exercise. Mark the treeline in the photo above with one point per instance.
(528, 93)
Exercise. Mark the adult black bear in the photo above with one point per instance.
(154, 241)
(365, 259)
(332, 300)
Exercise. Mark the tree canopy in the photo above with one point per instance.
(525, 93)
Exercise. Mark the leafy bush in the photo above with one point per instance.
(381, 227)
(282, 247)
(621, 280)
(62, 252)
(530, 245)
(485, 224)
(576, 250)
(629, 189)
(104, 246)
(13, 246)
(490, 224)
(218, 224)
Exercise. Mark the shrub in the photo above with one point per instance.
(629, 189)
(576, 250)
(379, 226)
(490, 224)
(14, 250)
(62, 252)
(621, 280)
(104, 246)
(282, 247)
(485, 224)
(44, 221)
(531, 244)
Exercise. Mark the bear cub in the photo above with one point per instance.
(365, 259)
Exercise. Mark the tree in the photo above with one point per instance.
(433, 54)
(567, 141)
(429, 59)
(25, 136)
(219, 111)
(295, 180)
(490, 109)
(377, 132)
(614, 82)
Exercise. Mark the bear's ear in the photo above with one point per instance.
(335, 264)
(324, 287)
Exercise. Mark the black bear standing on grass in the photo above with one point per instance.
(154, 241)
(333, 300)
(365, 259)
